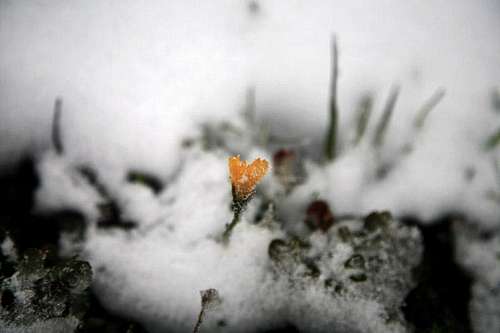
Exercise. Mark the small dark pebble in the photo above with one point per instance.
(355, 262)
(377, 220)
(358, 277)
(278, 248)
(344, 234)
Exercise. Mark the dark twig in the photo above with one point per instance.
(209, 299)
(199, 321)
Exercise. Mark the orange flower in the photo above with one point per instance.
(244, 177)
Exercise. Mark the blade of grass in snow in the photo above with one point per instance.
(428, 106)
(378, 138)
(493, 141)
(496, 166)
(494, 194)
(495, 98)
(264, 134)
(364, 112)
(250, 108)
(260, 130)
(421, 117)
(56, 127)
(331, 138)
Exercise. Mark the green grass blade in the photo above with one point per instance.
(493, 141)
(363, 117)
(428, 106)
(383, 124)
(331, 136)
(56, 127)
(495, 99)
(250, 110)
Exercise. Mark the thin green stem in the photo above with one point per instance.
(364, 111)
(383, 124)
(493, 141)
(250, 106)
(495, 98)
(496, 167)
(331, 137)
(237, 209)
(427, 108)
(56, 127)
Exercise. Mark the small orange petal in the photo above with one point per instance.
(245, 177)
(258, 169)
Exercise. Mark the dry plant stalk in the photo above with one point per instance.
(209, 298)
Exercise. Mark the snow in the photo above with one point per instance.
(174, 251)
(136, 80)
(60, 180)
(154, 273)
(480, 256)
(8, 249)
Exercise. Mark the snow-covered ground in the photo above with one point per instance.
(352, 278)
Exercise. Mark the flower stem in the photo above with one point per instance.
(237, 209)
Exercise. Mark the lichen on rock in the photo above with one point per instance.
(42, 293)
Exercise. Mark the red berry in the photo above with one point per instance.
(319, 215)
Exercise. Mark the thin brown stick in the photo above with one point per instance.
(199, 321)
